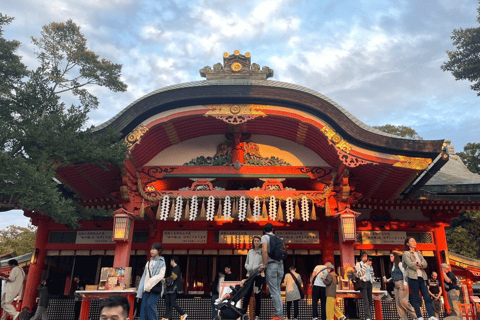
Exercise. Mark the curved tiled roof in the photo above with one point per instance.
(270, 93)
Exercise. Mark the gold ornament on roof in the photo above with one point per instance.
(236, 113)
(225, 54)
(413, 163)
(236, 66)
(135, 135)
(236, 52)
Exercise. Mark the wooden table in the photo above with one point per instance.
(377, 299)
(87, 297)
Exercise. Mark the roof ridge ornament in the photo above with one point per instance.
(236, 66)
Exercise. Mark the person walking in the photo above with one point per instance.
(331, 293)
(42, 302)
(404, 308)
(451, 288)
(318, 290)
(274, 271)
(13, 288)
(252, 264)
(293, 292)
(435, 291)
(150, 288)
(414, 264)
(174, 285)
(365, 272)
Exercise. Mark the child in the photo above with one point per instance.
(331, 293)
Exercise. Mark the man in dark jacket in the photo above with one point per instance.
(450, 282)
(42, 302)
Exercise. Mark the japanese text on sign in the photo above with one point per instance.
(94, 237)
(187, 236)
(383, 237)
(299, 236)
(238, 236)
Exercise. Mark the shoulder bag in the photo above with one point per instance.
(158, 288)
(302, 295)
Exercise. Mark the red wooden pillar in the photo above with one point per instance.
(237, 149)
(328, 242)
(123, 248)
(38, 262)
(441, 245)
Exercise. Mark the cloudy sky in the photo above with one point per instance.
(378, 59)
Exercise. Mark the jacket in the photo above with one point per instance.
(42, 296)
(253, 261)
(158, 273)
(331, 284)
(410, 264)
(214, 290)
(177, 285)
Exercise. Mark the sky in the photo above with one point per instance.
(378, 59)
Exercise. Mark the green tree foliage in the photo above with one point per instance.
(471, 156)
(464, 62)
(463, 235)
(20, 240)
(40, 131)
(401, 131)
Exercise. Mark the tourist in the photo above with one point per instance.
(397, 272)
(293, 292)
(42, 302)
(79, 285)
(12, 289)
(216, 286)
(229, 276)
(331, 292)
(451, 288)
(174, 285)
(252, 264)
(115, 308)
(365, 272)
(318, 290)
(414, 264)
(435, 291)
(150, 288)
(273, 273)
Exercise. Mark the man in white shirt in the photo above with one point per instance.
(13, 288)
(318, 290)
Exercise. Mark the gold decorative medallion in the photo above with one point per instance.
(235, 109)
(236, 52)
(236, 113)
(413, 163)
(247, 54)
(225, 54)
(135, 135)
(236, 67)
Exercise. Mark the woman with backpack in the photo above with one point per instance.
(293, 292)
(252, 264)
(404, 308)
(415, 265)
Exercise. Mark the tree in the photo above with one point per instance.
(401, 131)
(20, 240)
(463, 235)
(471, 156)
(40, 131)
(464, 62)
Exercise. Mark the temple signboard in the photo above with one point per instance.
(299, 236)
(182, 237)
(94, 237)
(383, 237)
(238, 236)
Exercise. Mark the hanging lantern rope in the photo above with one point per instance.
(193, 208)
(242, 209)
(165, 207)
(210, 208)
(227, 208)
(178, 208)
(256, 209)
(272, 208)
(290, 210)
(305, 213)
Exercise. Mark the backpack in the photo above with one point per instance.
(278, 248)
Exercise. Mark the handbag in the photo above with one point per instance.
(302, 295)
(158, 288)
(169, 281)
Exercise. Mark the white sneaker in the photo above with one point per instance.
(257, 318)
(421, 318)
(314, 318)
(432, 318)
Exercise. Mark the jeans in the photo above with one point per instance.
(148, 310)
(171, 303)
(274, 275)
(367, 298)
(295, 309)
(416, 285)
(40, 314)
(452, 297)
(214, 311)
(319, 293)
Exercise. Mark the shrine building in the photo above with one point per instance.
(211, 162)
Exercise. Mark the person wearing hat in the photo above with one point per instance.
(150, 288)
(273, 272)
(331, 293)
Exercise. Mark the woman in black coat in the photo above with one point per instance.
(42, 302)
(174, 285)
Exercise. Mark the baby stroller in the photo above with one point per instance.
(227, 310)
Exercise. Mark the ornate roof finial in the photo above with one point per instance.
(236, 66)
